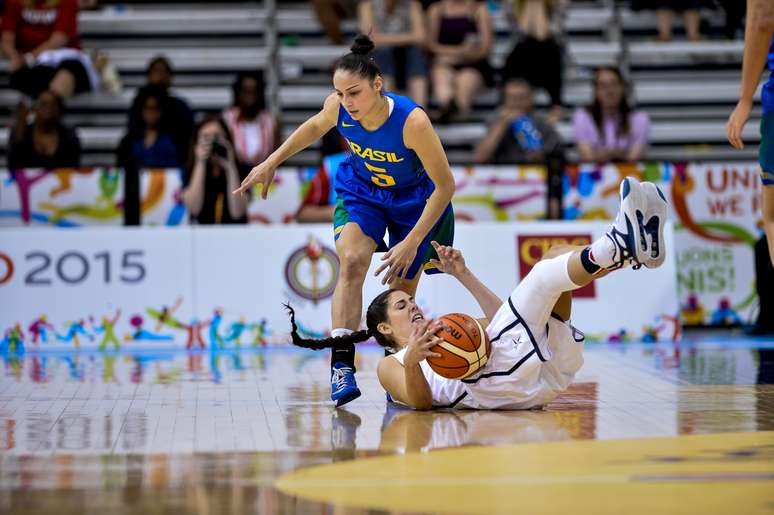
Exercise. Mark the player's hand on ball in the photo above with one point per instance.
(422, 339)
(736, 123)
(397, 261)
(450, 260)
(262, 174)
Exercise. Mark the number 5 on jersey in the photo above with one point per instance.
(380, 177)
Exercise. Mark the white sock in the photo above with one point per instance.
(341, 331)
(603, 252)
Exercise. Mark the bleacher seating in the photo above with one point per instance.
(687, 88)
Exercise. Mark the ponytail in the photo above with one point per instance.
(323, 343)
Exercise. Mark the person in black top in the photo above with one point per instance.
(159, 75)
(212, 175)
(46, 142)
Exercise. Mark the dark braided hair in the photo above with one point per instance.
(359, 60)
(375, 315)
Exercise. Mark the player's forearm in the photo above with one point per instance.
(418, 391)
(486, 298)
(757, 38)
(434, 208)
(306, 134)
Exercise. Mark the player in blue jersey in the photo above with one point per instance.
(758, 52)
(396, 179)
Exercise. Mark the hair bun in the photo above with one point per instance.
(362, 45)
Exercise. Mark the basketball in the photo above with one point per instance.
(465, 348)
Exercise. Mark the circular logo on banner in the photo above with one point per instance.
(6, 269)
(312, 271)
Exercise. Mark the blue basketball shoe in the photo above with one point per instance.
(343, 386)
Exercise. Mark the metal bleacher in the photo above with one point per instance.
(687, 88)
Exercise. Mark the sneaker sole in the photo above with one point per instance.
(349, 398)
(656, 215)
(633, 205)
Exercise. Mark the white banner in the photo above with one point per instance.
(225, 286)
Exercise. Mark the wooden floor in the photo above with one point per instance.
(645, 428)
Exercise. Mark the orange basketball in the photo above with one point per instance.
(465, 348)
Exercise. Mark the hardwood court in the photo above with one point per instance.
(645, 429)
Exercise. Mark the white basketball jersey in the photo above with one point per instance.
(525, 370)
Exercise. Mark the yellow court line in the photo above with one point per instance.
(717, 473)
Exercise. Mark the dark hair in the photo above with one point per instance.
(624, 109)
(60, 105)
(159, 59)
(257, 76)
(375, 315)
(359, 60)
(209, 118)
(143, 95)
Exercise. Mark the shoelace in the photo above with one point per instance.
(339, 377)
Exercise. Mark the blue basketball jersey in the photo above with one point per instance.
(380, 157)
(767, 93)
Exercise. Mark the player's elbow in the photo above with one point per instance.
(764, 23)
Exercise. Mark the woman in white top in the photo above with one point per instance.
(535, 351)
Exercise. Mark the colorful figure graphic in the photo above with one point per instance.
(38, 328)
(140, 333)
(73, 330)
(235, 332)
(725, 314)
(108, 328)
(13, 341)
(259, 333)
(194, 329)
(216, 340)
(692, 312)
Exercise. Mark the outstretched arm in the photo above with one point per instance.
(757, 39)
(306, 134)
(450, 261)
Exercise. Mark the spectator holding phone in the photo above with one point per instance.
(212, 174)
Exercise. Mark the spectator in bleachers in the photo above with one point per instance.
(330, 13)
(516, 134)
(212, 174)
(665, 13)
(608, 129)
(253, 127)
(40, 38)
(537, 53)
(460, 38)
(149, 144)
(397, 27)
(160, 74)
(46, 142)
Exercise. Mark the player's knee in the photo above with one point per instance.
(353, 264)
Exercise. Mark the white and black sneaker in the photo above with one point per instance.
(628, 234)
(655, 216)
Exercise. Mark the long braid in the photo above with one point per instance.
(323, 343)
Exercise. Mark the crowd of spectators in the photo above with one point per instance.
(437, 52)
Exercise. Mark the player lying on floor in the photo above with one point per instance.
(535, 351)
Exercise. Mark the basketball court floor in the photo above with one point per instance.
(646, 428)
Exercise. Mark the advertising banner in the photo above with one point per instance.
(70, 197)
(95, 197)
(716, 210)
(202, 287)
